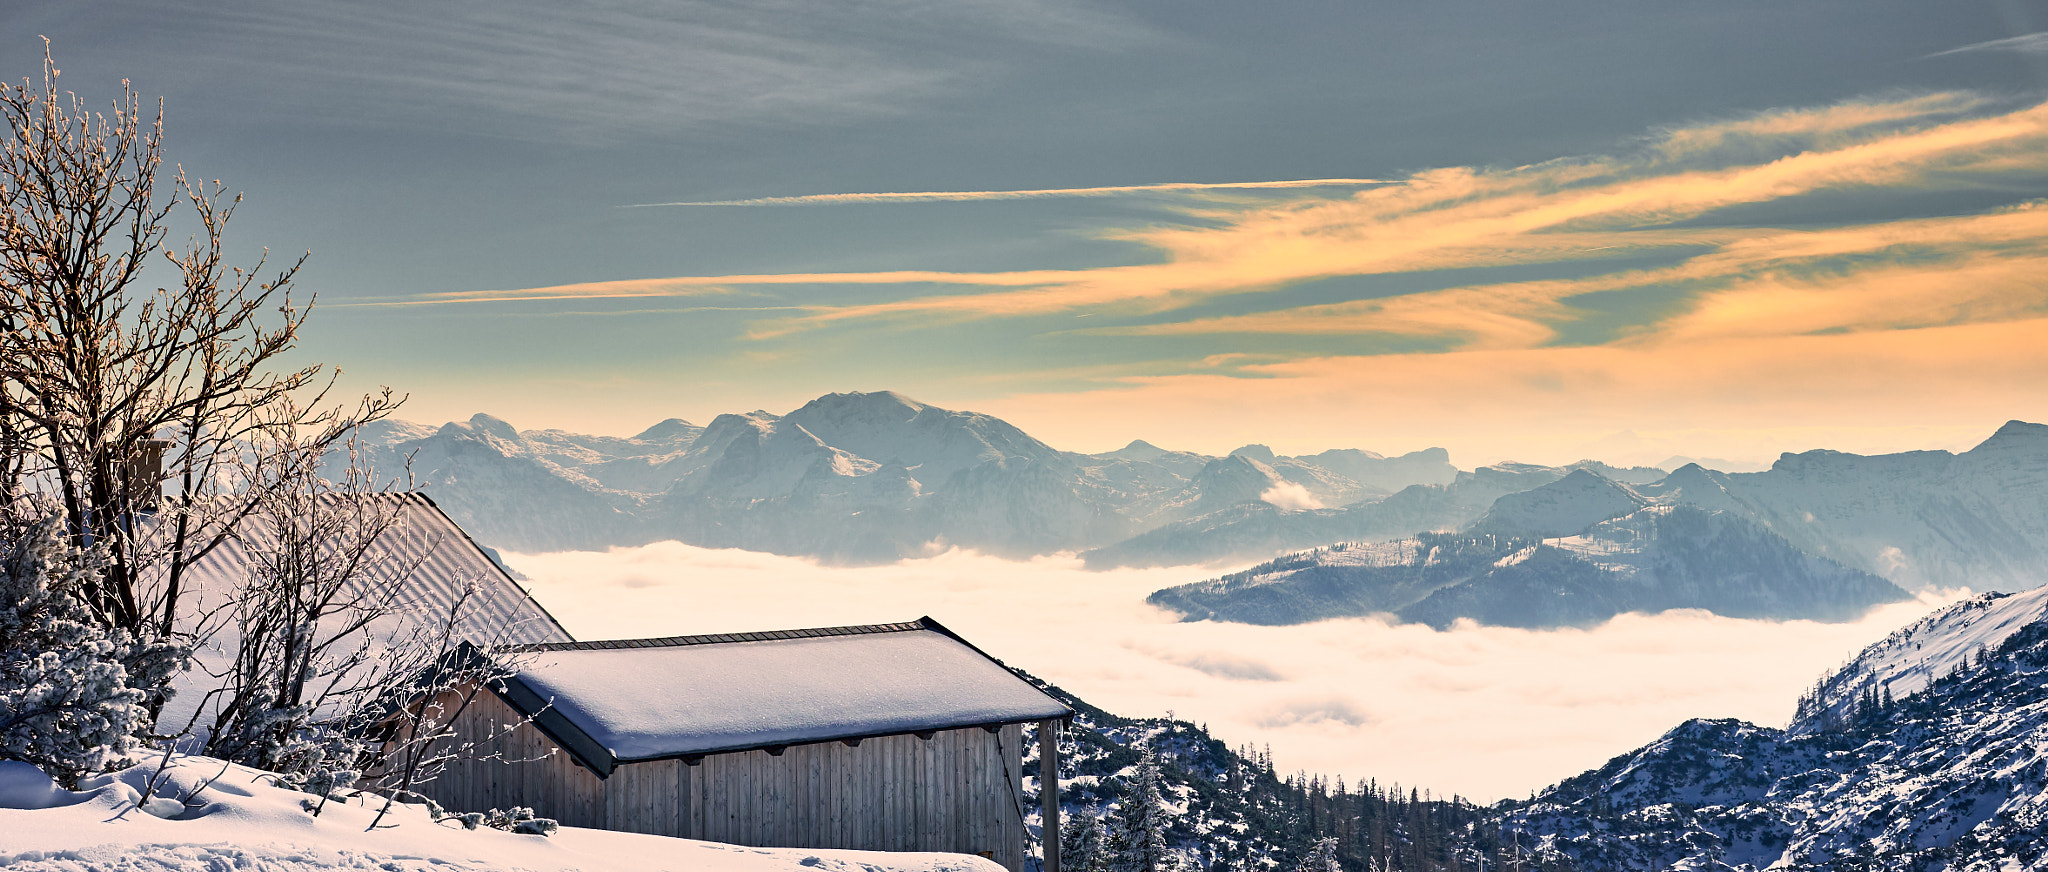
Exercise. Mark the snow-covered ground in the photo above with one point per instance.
(213, 817)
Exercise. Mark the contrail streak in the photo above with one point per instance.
(2028, 43)
(954, 196)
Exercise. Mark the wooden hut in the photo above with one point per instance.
(895, 737)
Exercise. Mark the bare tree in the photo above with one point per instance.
(98, 369)
(320, 624)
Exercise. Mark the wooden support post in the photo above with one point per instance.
(1049, 792)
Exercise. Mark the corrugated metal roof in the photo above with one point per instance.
(433, 557)
(436, 558)
(616, 702)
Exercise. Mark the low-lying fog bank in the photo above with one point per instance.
(1480, 711)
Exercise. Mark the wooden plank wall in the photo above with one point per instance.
(530, 770)
(895, 793)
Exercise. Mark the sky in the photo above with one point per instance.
(1535, 231)
(1482, 712)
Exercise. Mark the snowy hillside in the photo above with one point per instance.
(1649, 560)
(1952, 775)
(1909, 660)
(209, 816)
(1231, 811)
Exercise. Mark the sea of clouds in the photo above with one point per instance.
(1483, 712)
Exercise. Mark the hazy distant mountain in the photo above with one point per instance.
(1944, 771)
(541, 490)
(872, 477)
(1677, 460)
(1921, 518)
(1252, 531)
(853, 477)
(1647, 560)
(1562, 507)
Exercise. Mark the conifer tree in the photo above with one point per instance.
(1082, 847)
(1321, 858)
(1137, 829)
(69, 702)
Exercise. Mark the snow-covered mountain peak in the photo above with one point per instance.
(2016, 432)
(480, 427)
(673, 429)
(1139, 450)
(1234, 479)
(888, 405)
(1256, 452)
(497, 428)
(894, 430)
(1695, 485)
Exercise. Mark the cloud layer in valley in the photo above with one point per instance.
(1483, 712)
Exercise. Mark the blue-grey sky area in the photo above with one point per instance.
(1537, 229)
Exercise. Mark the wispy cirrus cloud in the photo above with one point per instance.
(1039, 194)
(607, 71)
(2026, 43)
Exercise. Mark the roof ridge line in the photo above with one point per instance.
(723, 638)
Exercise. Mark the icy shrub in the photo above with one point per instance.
(71, 690)
(518, 819)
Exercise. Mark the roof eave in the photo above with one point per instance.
(850, 737)
(541, 712)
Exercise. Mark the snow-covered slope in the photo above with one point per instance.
(210, 816)
(1907, 661)
(1953, 775)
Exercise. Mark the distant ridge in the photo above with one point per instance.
(849, 477)
(875, 477)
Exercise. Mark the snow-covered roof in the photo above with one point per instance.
(687, 696)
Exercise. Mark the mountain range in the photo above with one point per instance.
(858, 478)
(875, 477)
